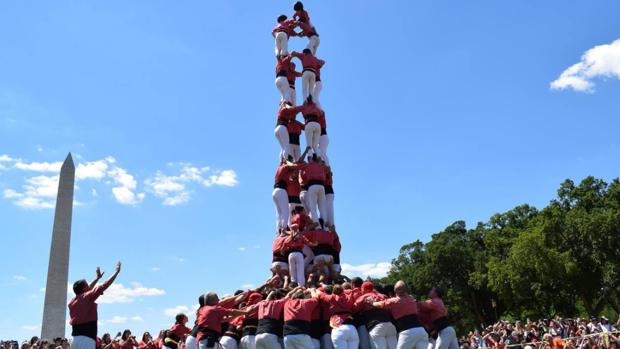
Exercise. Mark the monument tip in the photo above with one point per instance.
(68, 161)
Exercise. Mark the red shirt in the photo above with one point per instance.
(273, 309)
(361, 303)
(278, 242)
(311, 110)
(308, 30)
(291, 74)
(210, 316)
(325, 237)
(329, 176)
(287, 114)
(295, 127)
(180, 330)
(299, 309)
(309, 61)
(301, 219)
(293, 188)
(302, 14)
(285, 26)
(82, 308)
(283, 64)
(322, 120)
(313, 171)
(283, 172)
(434, 307)
(291, 245)
(338, 304)
(149, 345)
(400, 306)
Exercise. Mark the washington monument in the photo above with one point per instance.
(55, 308)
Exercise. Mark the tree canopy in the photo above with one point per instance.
(561, 260)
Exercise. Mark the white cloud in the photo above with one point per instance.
(19, 278)
(137, 318)
(6, 158)
(241, 249)
(91, 170)
(370, 269)
(247, 286)
(176, 310)
(175, 189)
(39, 166)
(155, 269)
(599, 61)
(38, 192)
(116, 320)
(30, 327)
(93, 192)
(117, 293)
(126, 184)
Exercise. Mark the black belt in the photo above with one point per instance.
(294, 200)
(310, 70)
(296, 327)
(291, 84)
(293, 138)
(311, 118)
(406, 322)
(270, 326)
(441, 323)
(280, 184)
(323, 249)
(87, 329)
(315, 182)
(323, 131)
(281, 73)
(281, 122)
(277, 257)
(329, 189)
(318, 78)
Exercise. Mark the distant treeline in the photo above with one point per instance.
(525, 263)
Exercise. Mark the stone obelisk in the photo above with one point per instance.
(55, 308)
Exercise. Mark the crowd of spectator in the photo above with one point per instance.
(557, 333)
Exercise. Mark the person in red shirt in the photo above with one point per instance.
(210, 316)
(340, 313)
(323, 137)
(280, 196)
(177, 332)
(286, 114)
(83, 309)
(438, 314)
(293, 189)
(128, 341)
(295, 128)
(250, 322)
(285, 78)
(300, 13)
(404, 309)
(292, 248)
(270, 321)
(310, 32)
(282, 31)
(279, 263)
(312, 178)
(330, 221)
(311, 113)
(147, 342)
(311, 65)
(378, 323)
(231, 334)
(297, 316)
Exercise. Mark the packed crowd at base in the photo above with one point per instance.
(558, 333)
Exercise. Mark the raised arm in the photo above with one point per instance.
(94, 282)
(109, 282)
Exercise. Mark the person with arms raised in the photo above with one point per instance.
(83, 309)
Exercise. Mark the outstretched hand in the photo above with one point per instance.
(118, 267)
(99, 273)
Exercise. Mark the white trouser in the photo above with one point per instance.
(268, 341)
(316, 196)
(203, 345)
(281, 44)
(413, 338)
(313, 136)
(326, 341)
(308, 81)
(281, 134)
(298, 341)
(323, 144)
(308, 256)
(190, 342)
(303, 197)
(345, 337)
(313, 43)
(316, 343)
(284, 88)
(296, 268)
(383, 336)
(362, 332)
(280, 199)
(446, 339)
(431, 343)
(248, 342)
(295, 151)
(83, 342)
(329, 207)
(228, 342)
(318, 87)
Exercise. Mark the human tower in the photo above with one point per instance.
(306, 243)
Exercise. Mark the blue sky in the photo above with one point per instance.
(437, 111)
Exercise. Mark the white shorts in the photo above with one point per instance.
(83, 342)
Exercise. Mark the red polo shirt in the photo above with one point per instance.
(337, 304)
(82, 308)
(434, 308)
(273, 309)
(313, 171)
(299, 309)
(295, 127)
(286, 26)
(309, 61)
(401, 306)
